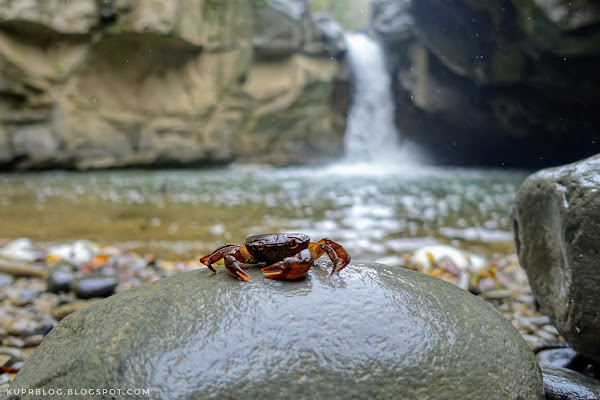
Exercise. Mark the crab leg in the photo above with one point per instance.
(290, 267)
(216, 255)
(334, 250)
(233, 255)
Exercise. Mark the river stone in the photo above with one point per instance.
(565, 384)
(556, 220)
(372, 331)
(94, 285)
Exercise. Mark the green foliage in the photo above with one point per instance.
(213, 3)
(352, 14)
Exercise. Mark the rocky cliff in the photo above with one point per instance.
(498, 82)
(93, 84)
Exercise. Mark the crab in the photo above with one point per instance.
(283, 255)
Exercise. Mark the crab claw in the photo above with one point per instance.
(233, 266)
(240, 274)
(205, 260)
(290, 267)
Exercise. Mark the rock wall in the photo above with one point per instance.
(95, 84)
(499, 82)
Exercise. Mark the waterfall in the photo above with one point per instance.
(371, 135)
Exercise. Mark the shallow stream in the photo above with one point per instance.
(373, 211)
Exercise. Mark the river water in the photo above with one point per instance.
(373, 210)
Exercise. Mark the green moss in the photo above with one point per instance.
(214, 4)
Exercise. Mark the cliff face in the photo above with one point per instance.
(90, 84)
(498, 82)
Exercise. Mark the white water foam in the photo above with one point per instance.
(371, 136)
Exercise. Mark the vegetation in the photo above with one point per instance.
(352, 14)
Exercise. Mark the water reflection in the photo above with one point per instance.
(373, 210)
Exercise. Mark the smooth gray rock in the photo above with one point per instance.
(372, 331)
(95, 285)
(559, 357)
(60, 279)
(556, 220)
(564, 384)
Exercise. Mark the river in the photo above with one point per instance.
(373, 210)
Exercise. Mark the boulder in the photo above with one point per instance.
(556, 222)
(565, 384)
(371, 331)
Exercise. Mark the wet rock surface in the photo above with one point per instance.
(60, 279)
(514, 69)
(558, 357)
(557, 231)
(95, 285)
(371, 331)
(564, 384)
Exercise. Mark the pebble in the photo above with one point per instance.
(546, 335)
(22, 297)
(13, 341)
(60, 279)
(4, 359)
(550, 329)
(5, 280)
(526, 298)
(20, 249)
(524, 324)
(21, 269)
(61, 311)
(94, 286)
(14, 353)
(498, 294)
(560, 357)
(21, 327)
(541, 320)
(33, 340)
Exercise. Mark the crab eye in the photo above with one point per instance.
(259, 246)
(292, 244)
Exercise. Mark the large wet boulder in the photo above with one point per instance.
(556, 221)
(370, 332)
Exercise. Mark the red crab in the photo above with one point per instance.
(285, 255)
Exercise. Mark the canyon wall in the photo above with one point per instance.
(495, 82)
(96, 84)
